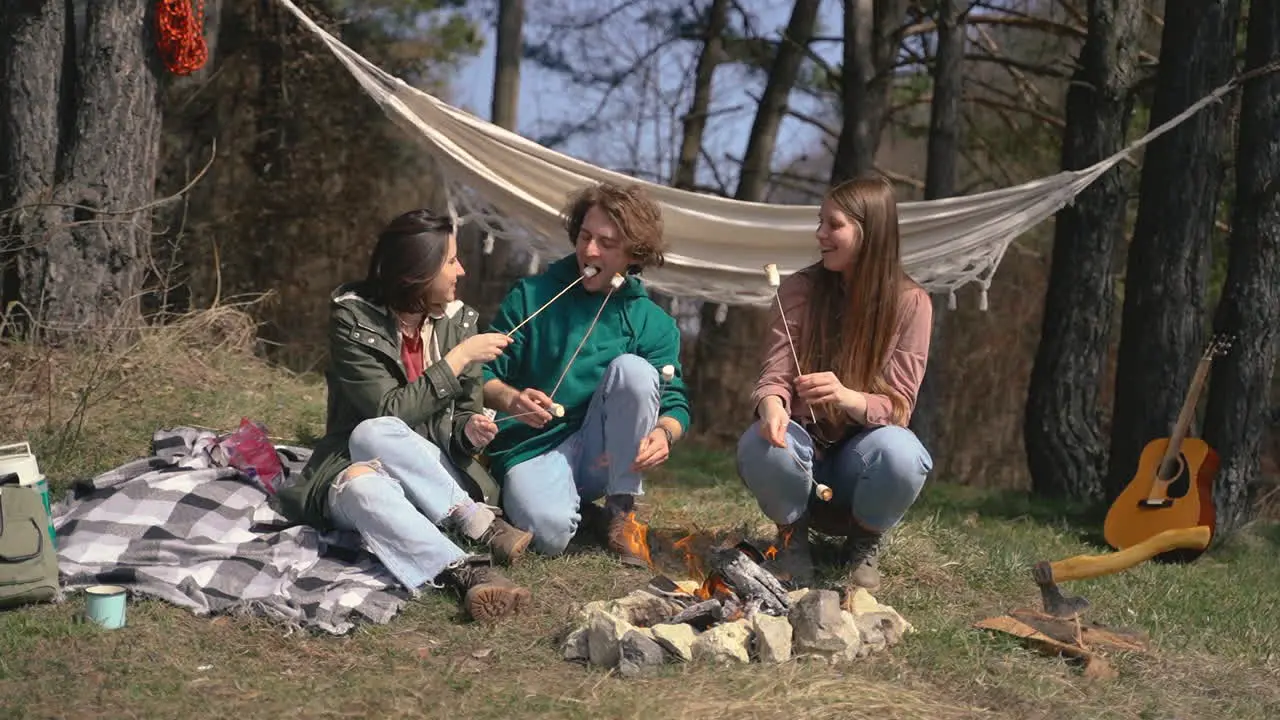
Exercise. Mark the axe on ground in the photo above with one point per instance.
(1048, 574)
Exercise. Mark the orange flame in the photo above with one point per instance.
(772, 551)
(635, 536)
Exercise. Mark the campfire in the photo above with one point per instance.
(730, 608)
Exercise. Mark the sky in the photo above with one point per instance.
(548, 99)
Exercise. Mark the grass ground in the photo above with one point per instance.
(961, 556)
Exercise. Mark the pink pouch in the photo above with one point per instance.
(250, 451)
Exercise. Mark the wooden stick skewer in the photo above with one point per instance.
(556, 408)
(588, 271)
(775, 280)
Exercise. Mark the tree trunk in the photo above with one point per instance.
(1065, 451)
(943, 154)
(720, 382)
(88, 276)
(695, 121)
(31, 57)
(490, 275)
(872, 37)
(506, 76)
(1162, 324)
(1250, 305)
(757, 161)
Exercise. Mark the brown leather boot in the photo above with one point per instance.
(862, 550)
(488, 596)
(629, 539)
(506, 541)
(794, 562)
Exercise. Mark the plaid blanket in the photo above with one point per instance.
(183, 527)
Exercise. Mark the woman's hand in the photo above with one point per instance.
(773, 421)
(480, 430)
(824, 388)
(478, 348)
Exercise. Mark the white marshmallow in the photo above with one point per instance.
(557, 409)
(668, 373)
(590, 271)
(617, 280)
(771, 270)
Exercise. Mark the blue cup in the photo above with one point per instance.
(106, 605)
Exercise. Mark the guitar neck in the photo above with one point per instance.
(1187, 413)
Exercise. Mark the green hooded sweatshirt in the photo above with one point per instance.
(631, 322)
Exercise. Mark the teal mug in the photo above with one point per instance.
(105, 605)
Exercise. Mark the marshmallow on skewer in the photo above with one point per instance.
(824, 492)
(617, 280)
(771, 272)
(588, 271)
(557, 409)
(668, 373)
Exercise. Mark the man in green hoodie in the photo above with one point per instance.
(596, 354)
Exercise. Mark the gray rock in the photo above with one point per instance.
(726, 642)
(771, 638)
(676, 638)
(820, 627)
(604, 633)
(639, 654)
(575, 645)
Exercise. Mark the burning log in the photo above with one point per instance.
(701, 615)
(748, 580)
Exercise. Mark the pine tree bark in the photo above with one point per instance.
(720, 382)
(872, 37)
(31, 58)
(1164, 304)
(87, 274)
(695, 120)
(943, 154)
(1062, 432)
(1250, 305)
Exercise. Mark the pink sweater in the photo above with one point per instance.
(903, 372)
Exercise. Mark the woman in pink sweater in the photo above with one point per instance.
(860, 329)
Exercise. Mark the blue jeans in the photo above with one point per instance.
(875, 475)
(398, 508)
(542, 494)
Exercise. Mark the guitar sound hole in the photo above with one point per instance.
(1180, 476)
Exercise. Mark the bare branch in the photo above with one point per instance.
(213, 154)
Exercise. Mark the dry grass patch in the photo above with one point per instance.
(961, 556)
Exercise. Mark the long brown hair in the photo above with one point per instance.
(849, 329)
(410, 253)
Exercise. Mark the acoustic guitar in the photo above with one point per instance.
(1172, 488)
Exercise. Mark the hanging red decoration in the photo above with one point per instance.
(180, 35)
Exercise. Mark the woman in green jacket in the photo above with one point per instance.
(405, 421)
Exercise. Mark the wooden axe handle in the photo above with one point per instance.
(1089, 566)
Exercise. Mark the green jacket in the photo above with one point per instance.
(367, 379)
(630, 323)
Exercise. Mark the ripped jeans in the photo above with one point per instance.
(398, 492)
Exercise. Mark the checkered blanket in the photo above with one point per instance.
(183, 527)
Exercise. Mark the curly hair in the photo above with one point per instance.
(631, 208)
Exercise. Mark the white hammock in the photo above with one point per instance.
(514, 188)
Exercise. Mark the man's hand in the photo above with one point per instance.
(824, 388)
(774, 421)
(654, 450)
(480, 430)
(531, 405)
